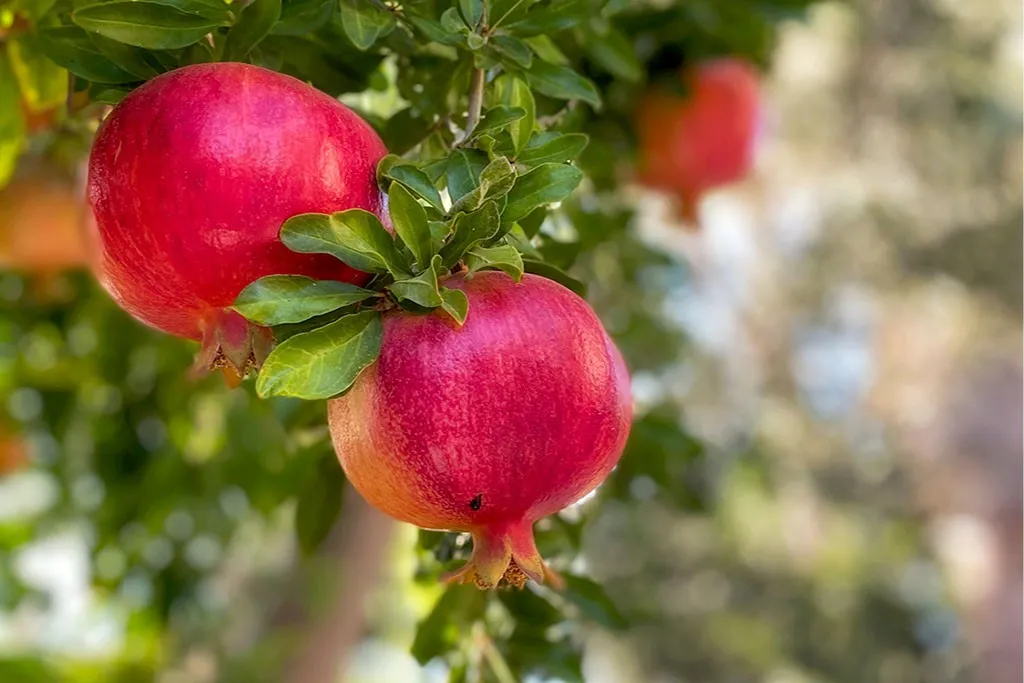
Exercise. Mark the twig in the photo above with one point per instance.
(476, 103)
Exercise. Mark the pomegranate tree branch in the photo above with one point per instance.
(476, 102)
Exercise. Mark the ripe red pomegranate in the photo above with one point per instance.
(692, 144)
(190, 179)
(488, 427)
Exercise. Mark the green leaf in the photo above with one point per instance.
(562, 83)
(550, 272)
(556, 16)
(354, 236)
(615, 53)
(463, 171)
(507, 11)
(497, 178)
(470, 230)
(299, 17)
(497, 118)
(12, 126)
(410, 221)
(322, 363)
(211, 9)
(145, 24)
(252, 27)
(71, 48)
(416, 180)
(128, 57)
(544, 47)
(593, 602)
(514, 92)
(318, 504)
(515, 50)
(546, 184)
(533, 221)
(423, 289)
(472, 12)
(450, 619)
(503, 257)
(283, 299)
(455, 303)
(43, 84)
(551, 147)
(434, 31)
(364, 22)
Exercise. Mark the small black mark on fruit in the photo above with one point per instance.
(477, 502)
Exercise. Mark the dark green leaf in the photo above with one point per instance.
(253, 26)
(550, 147)
(514, 92)
(615, 53)
(299, 17)
(448, 621)
(434, 30)
(546, 184)
(497, 178)
(593, 602)
(502, 257)
(507, 11)
(410, 222)
(514, 49)
(553, 17)
(452, 21)
(463, 171)
(532, 222)
(417, 181)
(281, 299)
(550, 272)
(455, 304)
(470, 230)
(211, 9)
(319, 504)
(472, 12)
(475, 41)
(128, 57)
(365, 21)
(499, 117)
(322, 363)
(145, 24)
(70, 47)
(354, 236)
(562, 83)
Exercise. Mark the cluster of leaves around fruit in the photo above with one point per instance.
(497, 193)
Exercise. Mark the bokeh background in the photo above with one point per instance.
(824, 479)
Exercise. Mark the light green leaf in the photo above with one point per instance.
(514, 92)
(502, 256)
(562, 83)
(550, 147)
(324, 362)
(546, 184)
(497, 178)
(71, 48)
(12, 126)
(455, 303)
(253, 26)
(410, 222)
(282, 299)
(416, 180)
(145, 24)
(434, 30)
(470, 230)
(354, 236)
(43, 84)
(544, 47)
(422, 289)
(364, 22)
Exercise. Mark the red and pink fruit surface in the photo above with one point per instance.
(488, 427)
(190, 179)
(693, 143)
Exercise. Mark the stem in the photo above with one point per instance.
(511, 9)
(495, 660)
(476, 102)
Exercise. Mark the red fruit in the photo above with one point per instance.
(191, 177)
(489, 427)
(692, 144)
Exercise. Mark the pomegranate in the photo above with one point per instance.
(488, 427)
(190, 179)
(695, 143)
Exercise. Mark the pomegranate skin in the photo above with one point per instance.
(192, 175)
(489, 427)
(691, 145)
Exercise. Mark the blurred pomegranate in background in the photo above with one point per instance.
(700, 139)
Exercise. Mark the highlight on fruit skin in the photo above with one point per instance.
(190, 179)
(489, 427)
(704, 139)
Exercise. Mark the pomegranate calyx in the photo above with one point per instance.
(232, 345)
(505, 556)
